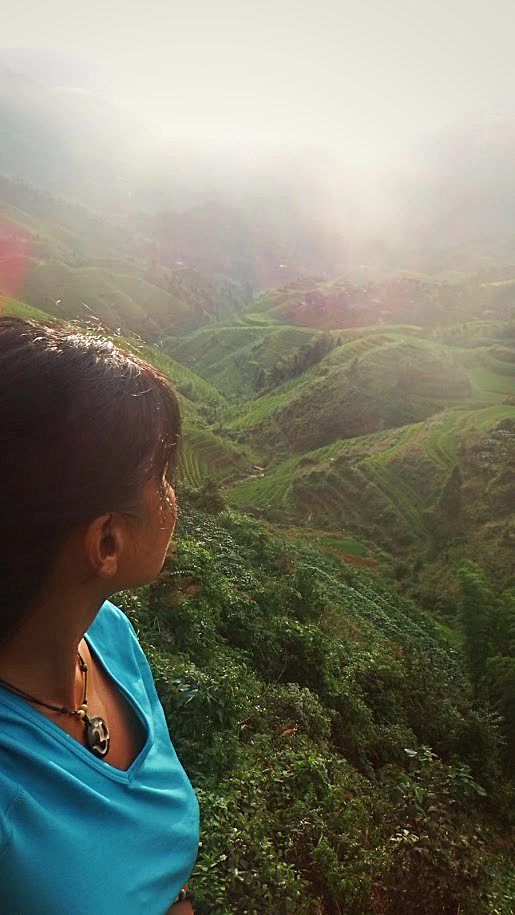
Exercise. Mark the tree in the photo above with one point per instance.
(451, 502)
(501, 670)
(501, 674)
(475, 605)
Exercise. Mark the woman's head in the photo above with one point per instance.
(85, 427)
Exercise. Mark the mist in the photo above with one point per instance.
(322, 137)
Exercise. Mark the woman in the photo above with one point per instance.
(96, 812)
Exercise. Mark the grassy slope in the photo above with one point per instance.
(70, 254)
(206, 456)
(88, 293)
(276, 485)
(187, 382)
(366, 383)
(231, 356)
(22, 310)
(437, 440)
(385, 488)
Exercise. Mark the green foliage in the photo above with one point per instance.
(451, 498)
(207, 497)
(292, 685)
(294, 362)
(501, 675)
(489, 642)
(476, 600)
(437, 860)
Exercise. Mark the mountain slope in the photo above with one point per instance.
(429, 494)
(237, 358)
(69, 261)
(304, 697)
(365, 384)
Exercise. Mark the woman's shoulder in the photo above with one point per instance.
(111, 627)
(112, 637)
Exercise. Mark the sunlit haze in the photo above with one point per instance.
(356, 78)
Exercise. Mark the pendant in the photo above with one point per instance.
(97, 735)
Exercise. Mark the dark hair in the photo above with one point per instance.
(84, 427)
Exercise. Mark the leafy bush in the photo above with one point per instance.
(436, 861)
(292, 685)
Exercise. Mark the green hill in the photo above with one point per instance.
(365, 384)
(429, 493)
(72, 263)
(234, 358)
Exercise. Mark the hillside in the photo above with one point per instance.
(394, 296)
(237, 358)
(356, 390)
(427, 494)
(304, 698)
(71, 262)
(353, 382)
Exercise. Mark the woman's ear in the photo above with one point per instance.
(104, 542)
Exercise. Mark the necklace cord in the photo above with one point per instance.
(97, 730)
(54, 708)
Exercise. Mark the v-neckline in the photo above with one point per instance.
(35, 716)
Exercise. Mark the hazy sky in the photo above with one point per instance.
(357, 77)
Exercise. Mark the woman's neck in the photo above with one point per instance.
(41, 657)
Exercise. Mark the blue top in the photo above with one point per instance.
(78, 836)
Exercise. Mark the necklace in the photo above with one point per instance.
(97, 731)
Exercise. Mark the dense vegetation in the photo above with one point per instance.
(341, 760)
